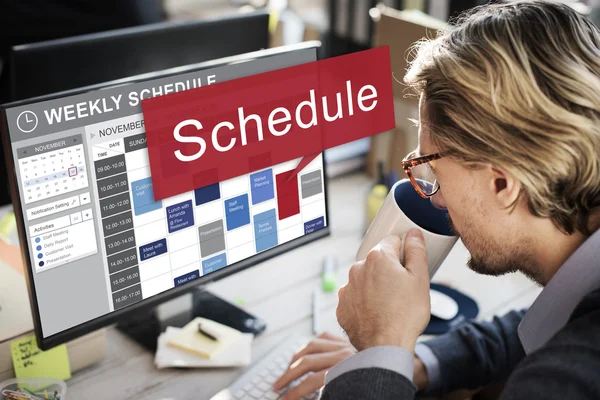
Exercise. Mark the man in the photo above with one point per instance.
(509, 134)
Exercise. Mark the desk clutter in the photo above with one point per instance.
(33, 389)
(203, 343)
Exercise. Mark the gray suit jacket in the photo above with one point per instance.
(566, 367)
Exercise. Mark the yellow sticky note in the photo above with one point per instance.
(273, 19)
(190, 340)
(31, 362)
(8, 224)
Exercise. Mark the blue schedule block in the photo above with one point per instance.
(265, 230)
(261, 186)
(143, 197)
(180, 216)
(214, 263)
(237, 212)
(153, 249)
(190, 276)
(314, 225)
(207, 194)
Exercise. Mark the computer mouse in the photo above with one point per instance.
(442, 305)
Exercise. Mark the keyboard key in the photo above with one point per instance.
(256, 379)
(279, 360)
(248, 387)
(271, 379)
(264, 386)
(272, 395)
(239, 394)
(264, 373)
(257, 394)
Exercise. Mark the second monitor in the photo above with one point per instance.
(62, 64)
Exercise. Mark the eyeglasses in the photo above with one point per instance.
(421, 174)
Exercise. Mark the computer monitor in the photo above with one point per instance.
(97, 246)
(62, 64)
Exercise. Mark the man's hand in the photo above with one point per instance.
(321, 354)
(385, 303)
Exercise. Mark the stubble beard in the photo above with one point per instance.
(490, 258)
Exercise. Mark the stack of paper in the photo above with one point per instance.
(186, 347)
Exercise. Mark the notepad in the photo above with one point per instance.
(239, 354)
(189, 339)
(31, 362)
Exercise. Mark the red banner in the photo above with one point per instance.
(206, 135)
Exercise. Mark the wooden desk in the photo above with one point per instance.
(280, 292)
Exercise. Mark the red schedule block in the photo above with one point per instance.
(288, 200)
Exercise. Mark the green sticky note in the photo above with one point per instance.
(31, 362)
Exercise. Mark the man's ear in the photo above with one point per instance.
(505, 187)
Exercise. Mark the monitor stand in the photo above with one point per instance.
(145, 326)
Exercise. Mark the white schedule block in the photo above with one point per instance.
(154, 267)
(157, 285)
(182, 239)
(240, 236)
(209, 212)
(240, 253)
(185, 256)
(291, 233)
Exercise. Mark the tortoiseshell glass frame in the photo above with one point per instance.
(409, 163)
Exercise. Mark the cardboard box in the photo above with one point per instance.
(290, 28)
(399, 30)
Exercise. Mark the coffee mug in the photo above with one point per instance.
(403, 210)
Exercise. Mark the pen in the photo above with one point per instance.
(315, 312)
(206, 332)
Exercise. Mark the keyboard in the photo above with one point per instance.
(257, 382)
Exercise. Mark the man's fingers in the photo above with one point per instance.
(415, 253)
(331, 336)
(389, 245)
(309, 363)
(319, 346)
(312, 383)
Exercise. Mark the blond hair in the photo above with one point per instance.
(518, 86)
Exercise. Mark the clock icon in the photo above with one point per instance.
(27, 121)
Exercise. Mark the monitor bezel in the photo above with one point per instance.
(113, 317)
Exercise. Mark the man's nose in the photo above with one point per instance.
(438, 200)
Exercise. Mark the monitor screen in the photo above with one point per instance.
(97, 241)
